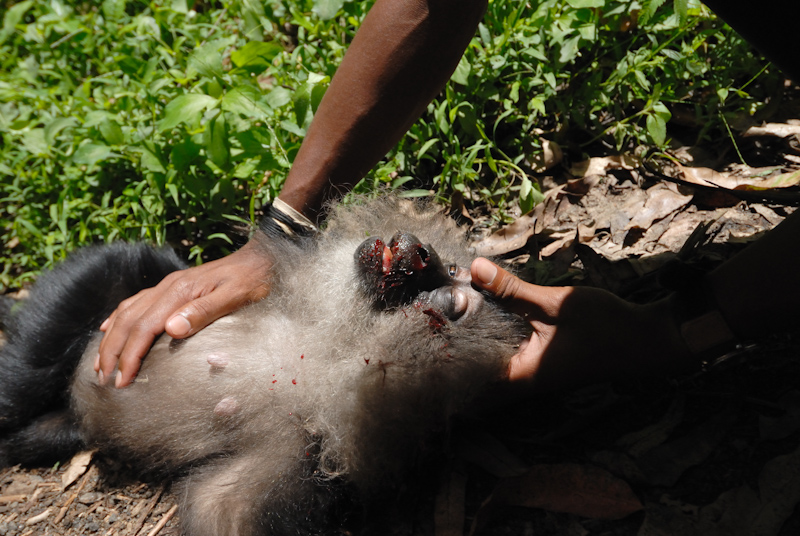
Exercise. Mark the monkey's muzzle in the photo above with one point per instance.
(396, 272)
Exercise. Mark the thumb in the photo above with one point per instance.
(505, 286)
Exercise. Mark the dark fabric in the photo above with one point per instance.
(769, 25)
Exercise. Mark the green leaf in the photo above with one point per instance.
(92, 153)
(327, 9)
(184, 154)
(642, 80)
(682, 9)
(180, 6)
(280, 96)
(661, 110)
(414, 193)
(151, 162)
(649, 9)
(288, 126)
(185, 109)
(221, 236)
(112, 132)
(579, 4)
(657, 129)
(462, 72)
(538, 104)
(301, 99)
(34, 142)
(55, 126)
(217, 147)
(529, 195)
(244, 100)
(207, 60)
(425, 146)
(13, 17)
(113, 10)
(255, 56)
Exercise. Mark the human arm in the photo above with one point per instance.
(583, 335)
(401, 57)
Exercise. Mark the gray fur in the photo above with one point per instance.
(316, 384)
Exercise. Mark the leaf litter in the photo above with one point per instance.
(712, 454)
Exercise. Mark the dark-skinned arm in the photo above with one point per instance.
(400, 58)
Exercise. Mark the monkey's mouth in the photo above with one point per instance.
(397, 271)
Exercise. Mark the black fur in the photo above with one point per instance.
(48, 334)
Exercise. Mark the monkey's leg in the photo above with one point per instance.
(267, 491)
(49, 438)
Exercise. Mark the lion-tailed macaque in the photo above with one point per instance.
(371, 338)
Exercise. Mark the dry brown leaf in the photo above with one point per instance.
(582, 490)
(77, 467)
(562, 240)
(778, 130)
(756, 180)
(662, 200)
(509, 238)
(483, 450)
(649, 437)
(582, 185)
(23, 484)
(740, 511)
(665, 464)
(550, 156)
(601, 164)
(784, 180)
(770, 215)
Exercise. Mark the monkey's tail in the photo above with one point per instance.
(48, 333)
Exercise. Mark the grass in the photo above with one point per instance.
(174, 122)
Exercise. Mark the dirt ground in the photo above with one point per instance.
(714, 453)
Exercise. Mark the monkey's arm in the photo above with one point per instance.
(583, 335)
(401, 57)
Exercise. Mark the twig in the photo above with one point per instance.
(214, 27)
(143, 517)
(72, 498)
(163, 521)
(37, 518)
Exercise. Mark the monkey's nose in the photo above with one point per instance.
(406, 253)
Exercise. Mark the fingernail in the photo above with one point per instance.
(97, 363)
(118, 381)
(178, 326)
(101, 378)
(104, 325)
(486, 272)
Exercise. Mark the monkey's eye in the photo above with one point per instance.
(452, 270)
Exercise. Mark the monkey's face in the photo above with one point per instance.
(405, 271)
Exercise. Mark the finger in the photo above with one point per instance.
(140, 318)
(137, 346)
(202, 311)
(503, 285)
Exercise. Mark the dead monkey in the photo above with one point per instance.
(369, 340)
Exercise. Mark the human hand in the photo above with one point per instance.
(583, 335)
(182, 304)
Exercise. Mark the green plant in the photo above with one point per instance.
(174, 122)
